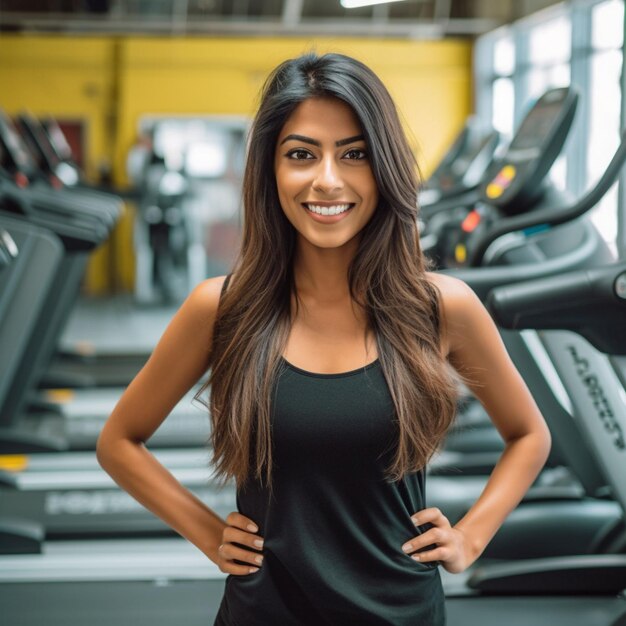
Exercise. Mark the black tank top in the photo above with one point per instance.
(334, 529)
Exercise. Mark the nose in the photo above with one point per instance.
(327, 176)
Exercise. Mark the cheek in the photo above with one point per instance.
(288, 188)
(372, 190)
(288, 180)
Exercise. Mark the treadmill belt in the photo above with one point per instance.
(97, 373)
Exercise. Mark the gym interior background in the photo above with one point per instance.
(102, 67)
(102, 70)
(154, 99)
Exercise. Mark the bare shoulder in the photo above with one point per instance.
(205, 296)
(197, 314)
(460, 308)
(455, 294)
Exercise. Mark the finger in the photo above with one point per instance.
(235, 518)
(431, 537)
(230, 567)
(430, 516)
(241, 556)
(438, 554)
(234, 535)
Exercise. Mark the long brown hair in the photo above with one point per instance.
(386, 277)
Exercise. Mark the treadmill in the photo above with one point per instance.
(515, 187)
(36, 255)
(21, 164)
(514, 182)
(188, 425)
(555, 504)
(462, 168)
(80, 428)
(78, 369)
(80, 229)
(580, 316)
(67, 493)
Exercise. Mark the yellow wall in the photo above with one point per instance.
(111, 82)
(68, 77)
(430, 81)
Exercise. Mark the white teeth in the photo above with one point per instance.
(328, 210)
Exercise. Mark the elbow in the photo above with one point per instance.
(113, 445)
(536, 439)
(102, 448)
(106, 445)
(542, 442)
(546, 438)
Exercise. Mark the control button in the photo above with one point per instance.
(501, 182)
(471, 221)
(460, 253)
(508, 172)
(494, 191)
(21, 180)
(620, 286)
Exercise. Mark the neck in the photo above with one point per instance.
(321, 274)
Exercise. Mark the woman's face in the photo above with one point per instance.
(325, 182)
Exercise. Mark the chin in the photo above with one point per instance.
(329, 242)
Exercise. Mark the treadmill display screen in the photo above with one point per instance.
(537, 125)
(58, 142)
(15, 155)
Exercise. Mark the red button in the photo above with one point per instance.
(471, 221)
(21, 180)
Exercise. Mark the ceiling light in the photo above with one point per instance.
(354, 4)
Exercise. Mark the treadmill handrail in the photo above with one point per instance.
(553, 217)
(482, 280)
(538, 575)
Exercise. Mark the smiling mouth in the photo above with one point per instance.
(334, 209)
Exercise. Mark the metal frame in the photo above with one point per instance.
(598, 397)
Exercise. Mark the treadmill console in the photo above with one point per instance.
(516, 179)
(36, 137)
(16, 160)
(515, 183)
(57, 139)
(30, 131)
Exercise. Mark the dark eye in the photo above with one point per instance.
(299, 155)
(355, 154)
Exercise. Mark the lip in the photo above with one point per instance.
(326, 202)
(328, 219)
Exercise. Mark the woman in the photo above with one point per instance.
(330, 379)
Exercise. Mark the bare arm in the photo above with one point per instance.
(476, 351)
(177, 363)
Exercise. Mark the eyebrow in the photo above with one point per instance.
(315, 142)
